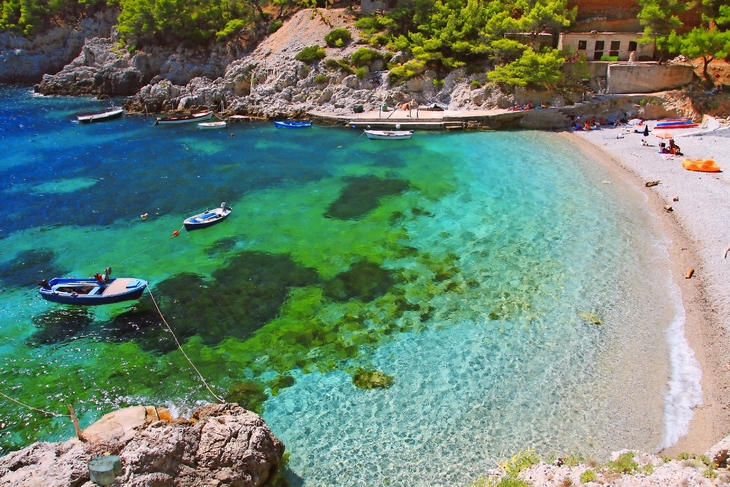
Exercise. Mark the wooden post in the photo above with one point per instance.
(75, 421)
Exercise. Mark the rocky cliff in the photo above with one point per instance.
(221, 444)
(266, 81)
(24, 60)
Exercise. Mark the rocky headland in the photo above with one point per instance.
(221, 444)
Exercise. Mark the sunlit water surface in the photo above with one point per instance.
(517, 293)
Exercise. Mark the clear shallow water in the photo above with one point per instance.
(467, 266)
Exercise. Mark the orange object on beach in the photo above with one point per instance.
(689, 273)
(703, 165)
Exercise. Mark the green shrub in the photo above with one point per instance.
(364, 56)
(361, 72)
(232, 27)
(475, 84)
(624, 464)
(588, 476)
(338, 37)
(311, 54)
(275, 25)
(520, 462)
(541, 70)
(510, 482)
(321, 79)
(407, 70)
(331, 63)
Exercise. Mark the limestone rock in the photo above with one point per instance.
(221, 444)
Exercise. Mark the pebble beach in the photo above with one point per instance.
(694, 208)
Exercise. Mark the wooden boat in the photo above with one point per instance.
(100, 117)
(92, 291)
(389, 134)
(221, 124)
(207, 218)
(193, 117)
(292, 124)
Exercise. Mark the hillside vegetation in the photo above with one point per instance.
(499, 37)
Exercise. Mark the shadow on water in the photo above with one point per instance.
(363, 280)
(28, 267)
(362, 195)
(59, 325)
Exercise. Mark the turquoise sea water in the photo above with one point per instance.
(468, 266)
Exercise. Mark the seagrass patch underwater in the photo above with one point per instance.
(488, 291)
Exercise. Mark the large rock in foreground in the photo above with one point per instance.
(221, 444)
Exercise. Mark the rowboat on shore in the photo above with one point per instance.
(110, 114)
(176, 119)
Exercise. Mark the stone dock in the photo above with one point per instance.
(610, 107)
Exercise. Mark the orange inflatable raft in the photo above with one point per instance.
(703, 165)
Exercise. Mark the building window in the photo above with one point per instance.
(598, 52)
(615, 46)
(582, 45)
(632, 46)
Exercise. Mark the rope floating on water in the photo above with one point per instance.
(179, 346)
(47, 413)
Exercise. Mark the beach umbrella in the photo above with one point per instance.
(663, 134)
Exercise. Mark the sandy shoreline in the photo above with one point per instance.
(698, 226)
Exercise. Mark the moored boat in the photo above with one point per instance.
(110, 114)
(208, 217)
(388, 134)
(292, 124)
(92, 291)
(193, 117)
(220, 124)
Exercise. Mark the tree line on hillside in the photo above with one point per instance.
(439, 34)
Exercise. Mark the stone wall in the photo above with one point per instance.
(647, 78)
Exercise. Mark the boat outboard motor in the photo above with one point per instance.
(44, 284)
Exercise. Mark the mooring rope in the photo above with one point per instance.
(179, 346)
(347, 145)
(48, 413)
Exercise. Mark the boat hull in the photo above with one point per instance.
(100, 117)
(389, 134)
(195, 117)
(206, 219)
(292, 125)
(89, 292)
(212, 125)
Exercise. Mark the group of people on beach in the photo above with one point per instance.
(527, 106)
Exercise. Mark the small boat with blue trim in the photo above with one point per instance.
(92, 291)
(292, 124)
(208, 217)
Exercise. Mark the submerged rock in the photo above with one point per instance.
(221, 444)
